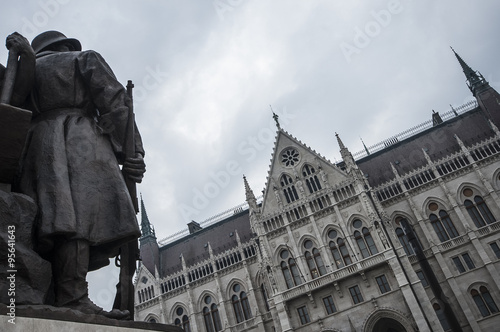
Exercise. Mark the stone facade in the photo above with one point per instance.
(404, 237)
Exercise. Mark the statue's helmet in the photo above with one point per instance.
(48, 38)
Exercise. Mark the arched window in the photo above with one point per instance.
(364, 239)
(443, 226)
(185, 324)
(339, 250)
(211, 315)
(288, 188)
(403, 239)
(245, 304)
(484, 301)
(312, 181)
(240, 303)
(182, 319)
(314, 260)
(238, 313)
(289, 269)
(478, 210)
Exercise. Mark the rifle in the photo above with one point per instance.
(129, 149)
(129, 252)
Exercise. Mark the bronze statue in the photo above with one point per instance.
(25, 74)
(70, 166)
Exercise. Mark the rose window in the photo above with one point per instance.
(290, 157)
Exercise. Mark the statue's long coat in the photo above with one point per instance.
(70, 164)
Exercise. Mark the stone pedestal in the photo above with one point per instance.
(49, 319)
(26, 270)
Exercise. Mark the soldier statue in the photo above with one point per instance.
(71, 163)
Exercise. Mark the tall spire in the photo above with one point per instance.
(250, 197)
(339, 141)
(475, 81)
(350, 164)
(146, 227)
(366, 149)
(345, 153)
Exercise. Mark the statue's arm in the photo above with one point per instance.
(2, 73)
(25, 75)
(110, 98)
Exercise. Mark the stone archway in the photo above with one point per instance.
(388, 325)
(388, 320)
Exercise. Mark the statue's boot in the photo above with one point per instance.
(70, 266)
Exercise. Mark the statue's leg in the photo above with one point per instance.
(69, 267)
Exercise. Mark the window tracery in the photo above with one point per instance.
(364, 239)
(312, 181)
(314, 261)
(339, 251)
(289, 269)
(288, 188)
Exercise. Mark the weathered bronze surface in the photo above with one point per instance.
(15, 84)
(70, 165)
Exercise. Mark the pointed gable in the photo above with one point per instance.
(292, 162)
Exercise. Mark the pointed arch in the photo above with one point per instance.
(201, 297)
(230, 284)
(313, 257)
(433, 199)
(339, 249)
(400, 234)
(352, 218)
(363, 237)
(310, 175)
(210, 311)
(495, 179)
(289, 268)
(171, 312)
(477, 190)
(406, 322)
(476, 206)
(152, 318)
(486, 303)
(287, 185)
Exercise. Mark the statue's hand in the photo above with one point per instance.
(17, 43)
(135, 167)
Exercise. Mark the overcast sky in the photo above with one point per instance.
(206, 73)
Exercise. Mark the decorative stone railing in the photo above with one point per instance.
(243, 326)
(333, 276)
(454, 112)
(318, 202)
(453, 243)
(490, 228)
(206, 268)
(445, 166)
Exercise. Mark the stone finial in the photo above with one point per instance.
(495, 128)
(459, 141)
(426, 155)
(394, 170)
(275, 117)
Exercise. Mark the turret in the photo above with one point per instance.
(148, 246)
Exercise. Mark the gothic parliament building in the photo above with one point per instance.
(401, 237)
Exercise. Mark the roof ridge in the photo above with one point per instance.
(448, 115)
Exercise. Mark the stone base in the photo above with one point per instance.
(48, 319)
